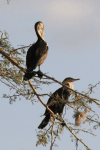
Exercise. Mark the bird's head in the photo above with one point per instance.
(39, 27)
(68, 81)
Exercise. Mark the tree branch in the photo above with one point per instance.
(20, 48)
(52, 135)
(35, 92)
(11, 60)
(24, 70)
(55, 116)
(71, 89)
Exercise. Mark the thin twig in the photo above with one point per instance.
(71, 89)
(92, 120)
(11, 60)
(54, 115)
(35, 92)
(24, 70)
(13, 87)
(25, 94)
(83, 131)
(20, 48)
(52, 135)
(76, 144)
(6, 83)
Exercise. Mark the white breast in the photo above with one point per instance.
(71, 86)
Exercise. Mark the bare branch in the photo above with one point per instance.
(55, 116)
(76, 144)
(21, 94)
(94, 100)
(84, 131)
(11, 60)
(24, 70)
(52, 135)
(35, 92)
(20, 48)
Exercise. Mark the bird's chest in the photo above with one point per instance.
(65, 95)
(42, 48)
(42, 59)
(42, 52)
(66, 92)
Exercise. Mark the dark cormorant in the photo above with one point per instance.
(57, 100)
(37, 53)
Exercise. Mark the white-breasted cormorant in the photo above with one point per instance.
(37, 53)
(57, 100)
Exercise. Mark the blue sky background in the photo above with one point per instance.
(72, 31)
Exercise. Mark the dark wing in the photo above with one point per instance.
(54, 101)
(36, 55)
(31, 57)
(55, 95)
(66, 94)
(58, 100)
(41, 53)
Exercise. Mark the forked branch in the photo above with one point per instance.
(35, 92)
(24, 70)
(55, 116)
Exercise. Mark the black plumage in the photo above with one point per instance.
(37, 53)
(57, 101)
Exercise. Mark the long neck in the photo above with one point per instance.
(71, 85)
(38, 35)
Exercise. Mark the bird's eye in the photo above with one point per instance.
(67, 84)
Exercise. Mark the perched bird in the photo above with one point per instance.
(57, 100)
(37, 53)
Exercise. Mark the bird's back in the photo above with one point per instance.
(36, 54)
(58, 100)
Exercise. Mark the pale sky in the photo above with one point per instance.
(72, 31)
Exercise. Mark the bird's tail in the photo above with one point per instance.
(44, 122)
(28, 75)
